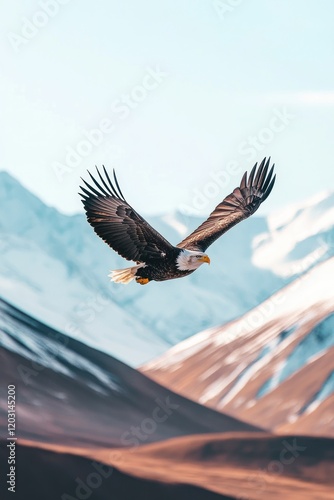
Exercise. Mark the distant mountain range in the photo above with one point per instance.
(54, 267)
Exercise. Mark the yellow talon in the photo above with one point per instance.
(142, 281)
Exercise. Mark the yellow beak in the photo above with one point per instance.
(205, 258)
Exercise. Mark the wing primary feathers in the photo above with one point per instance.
(269, 176)
(104, 182)
(251, 175)
(267, 193)
(98, 185)
(86, 192)
(264, 173)
(91, 188)
(110, 183)
(104, 189)
(243, 182)
(119, 189)
(259, 172)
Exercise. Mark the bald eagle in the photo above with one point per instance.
(124, 230)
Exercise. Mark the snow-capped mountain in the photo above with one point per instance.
(54, 267)
(279, 356)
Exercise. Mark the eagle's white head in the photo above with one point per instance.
(189, 260)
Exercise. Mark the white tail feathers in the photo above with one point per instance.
(124, 275)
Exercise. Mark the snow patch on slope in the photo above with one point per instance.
(311, 346)
(298, 237)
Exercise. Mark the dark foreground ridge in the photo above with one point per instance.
(55, 476)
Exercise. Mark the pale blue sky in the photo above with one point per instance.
(210, 83)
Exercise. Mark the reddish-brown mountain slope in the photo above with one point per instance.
(274, 366)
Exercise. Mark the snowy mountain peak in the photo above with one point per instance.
(23, 210)
(11, 188)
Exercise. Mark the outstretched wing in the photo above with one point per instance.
(239, 205)
(118, 224)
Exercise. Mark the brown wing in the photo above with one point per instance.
(118, 224)
(239, 205)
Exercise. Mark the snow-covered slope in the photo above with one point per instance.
(297, 237)
(279, 355)
(54, 267)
